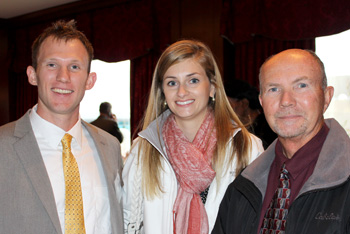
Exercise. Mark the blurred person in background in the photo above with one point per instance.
(108, 121)
(244, 100)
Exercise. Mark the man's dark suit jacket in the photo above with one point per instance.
(109, 126)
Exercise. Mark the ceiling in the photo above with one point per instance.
(13, 8)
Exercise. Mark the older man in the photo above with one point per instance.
(300, 184)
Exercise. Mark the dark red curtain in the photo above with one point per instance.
(142, 67)
(140, 83)
(22, 95)
(122, 32)
(256, 29)
(284, 20)
(243, 60)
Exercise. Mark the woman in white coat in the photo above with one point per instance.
(190, 149)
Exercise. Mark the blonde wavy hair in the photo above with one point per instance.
(226, 121)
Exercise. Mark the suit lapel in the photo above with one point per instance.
(103, 151)
(106, 153)
(28, 152)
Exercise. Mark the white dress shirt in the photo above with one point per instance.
(93, 182)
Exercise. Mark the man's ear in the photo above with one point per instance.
(31, 74)
(91, 80)
(260, 100)
(328, 95)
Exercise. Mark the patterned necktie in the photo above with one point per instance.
(74, 213)
(275, 217)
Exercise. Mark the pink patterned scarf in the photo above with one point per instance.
(191, 162)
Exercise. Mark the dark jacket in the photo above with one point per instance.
(109, 125)
(322, 205)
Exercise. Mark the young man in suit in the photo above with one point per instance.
(35, 155)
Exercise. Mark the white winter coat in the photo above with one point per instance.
(158, 213)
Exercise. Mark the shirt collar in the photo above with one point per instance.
(304, 156)
(53, 134)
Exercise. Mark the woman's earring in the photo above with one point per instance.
(213, 99)
(165, 104)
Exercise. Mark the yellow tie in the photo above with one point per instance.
(74, 213)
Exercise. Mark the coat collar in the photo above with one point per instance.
(105, 151)
(153, 133)
(332, 167)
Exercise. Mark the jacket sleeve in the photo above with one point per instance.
(131, 189)
(221, 219)
(117, 133)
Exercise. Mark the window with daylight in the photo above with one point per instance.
(334, 51)
(113, 86)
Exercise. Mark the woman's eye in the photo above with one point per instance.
(171, 83)
(194, 81)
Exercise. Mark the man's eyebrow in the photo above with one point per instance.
(56, 59)
(272, 84)
(302, 78)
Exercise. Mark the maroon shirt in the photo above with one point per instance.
(300, 168)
